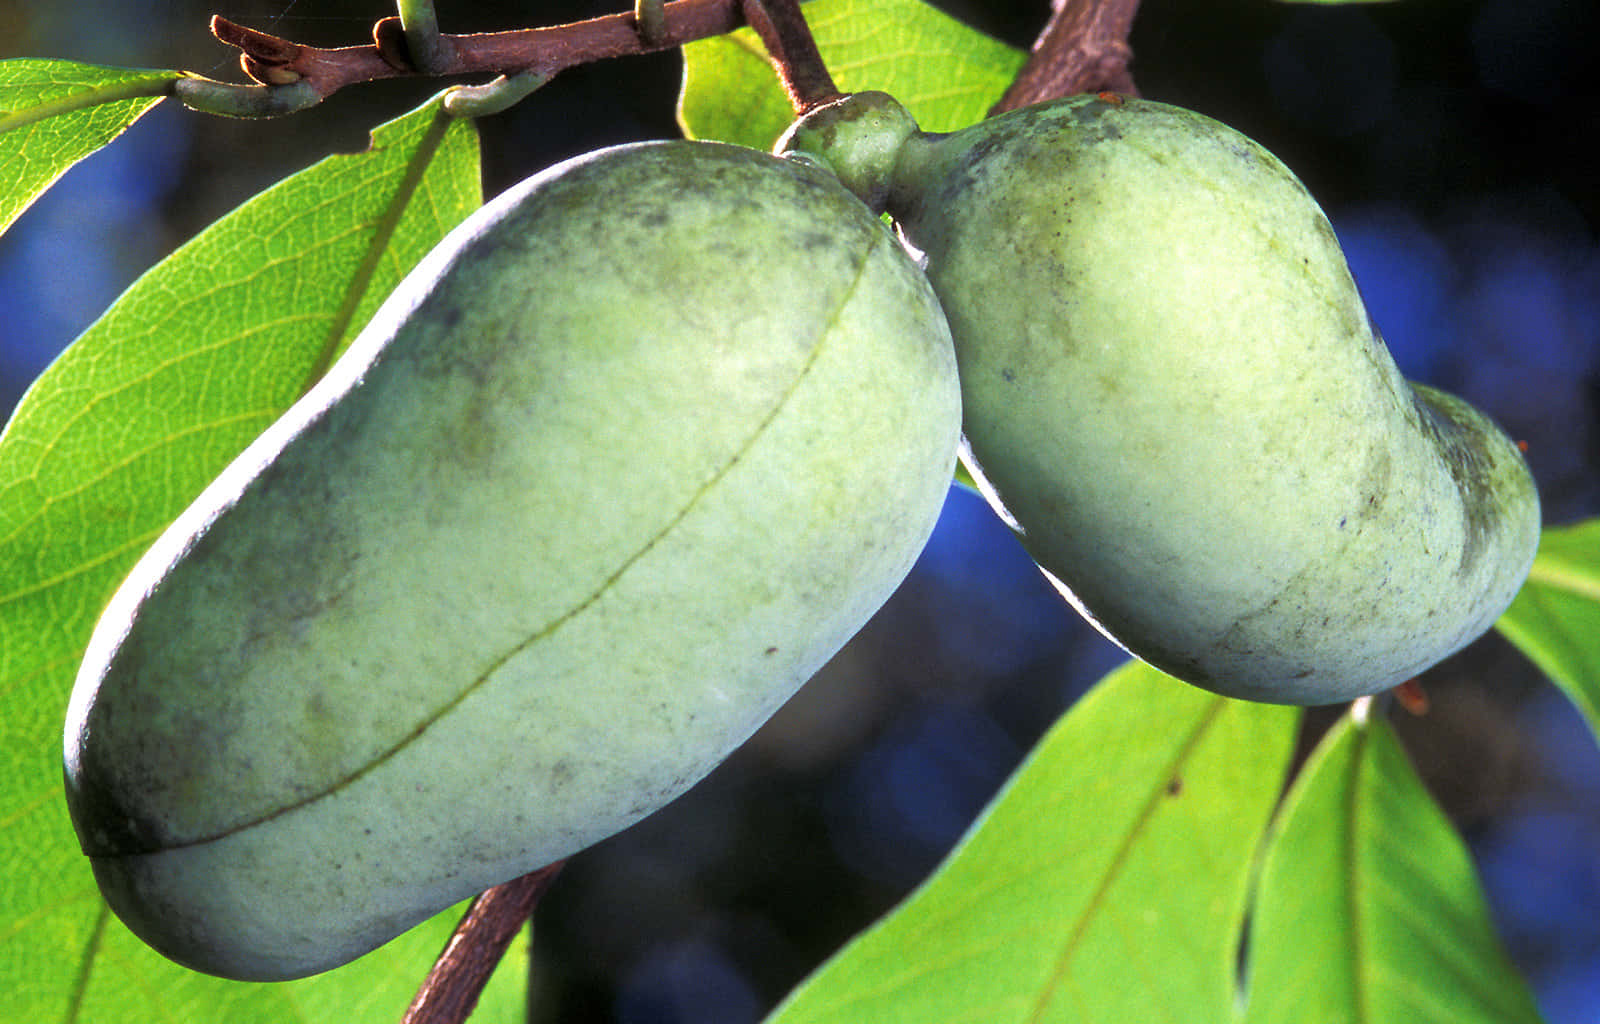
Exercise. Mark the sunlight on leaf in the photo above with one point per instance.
(1106, 883)
(1369, 910)
(128, 983)
(54, 113)
(945, 73)
(1555, 620)
(111, 442)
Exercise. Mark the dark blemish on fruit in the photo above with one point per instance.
(1376, 477)
(1459, 442)
(969, 166)
(1091, 121)
(816, 241)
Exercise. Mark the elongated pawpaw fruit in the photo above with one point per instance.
(634, 451)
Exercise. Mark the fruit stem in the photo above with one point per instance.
(452, 988)
(793, 51)
(423, 42)
(650, 17)
(1082, 48)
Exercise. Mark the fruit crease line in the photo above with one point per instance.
(847, 295)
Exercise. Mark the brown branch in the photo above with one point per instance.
(271, 60)
(451, 990)
(1083, 48)
(793, 51)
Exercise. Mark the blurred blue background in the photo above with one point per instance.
(1450, 144)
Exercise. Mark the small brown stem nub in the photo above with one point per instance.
(787, 37)
(451, 990)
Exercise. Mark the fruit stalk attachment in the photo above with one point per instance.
(450, 992)
(651, 18)
(424, 46)
(793, 51)
(1083, 48)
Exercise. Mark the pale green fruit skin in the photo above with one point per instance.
(626, 459)
(1172, 386)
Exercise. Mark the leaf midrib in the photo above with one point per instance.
(1103, 886)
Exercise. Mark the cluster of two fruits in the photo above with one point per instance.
(643, 442)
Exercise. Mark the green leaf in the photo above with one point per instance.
(1369, 910)
(1555, 620)
(114, 439)
(1107, 882)
(54, 113)
(126, 982)
(945, 73)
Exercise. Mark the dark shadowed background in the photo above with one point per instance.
(1448, 140)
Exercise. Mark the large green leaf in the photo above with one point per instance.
(1556, 617)
(1369, 910)
(1107, 882)
(54, 113)
(945, 73)
(112, 441)
(125, 982)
